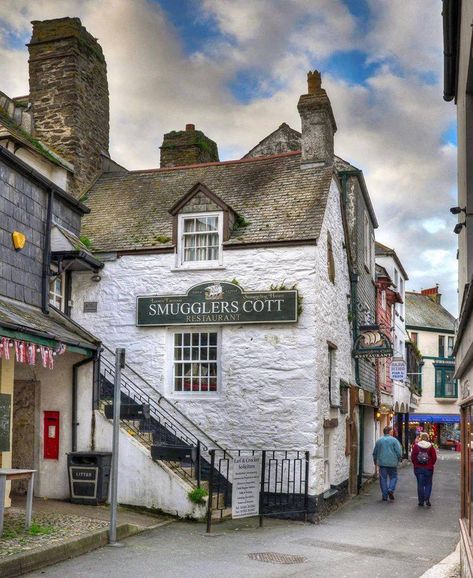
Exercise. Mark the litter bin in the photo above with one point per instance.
(89, 476)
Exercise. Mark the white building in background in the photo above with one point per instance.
(432, 329)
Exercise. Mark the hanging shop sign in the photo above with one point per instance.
(246, 486)
(371, 342)
(217, 303)
(398, 370)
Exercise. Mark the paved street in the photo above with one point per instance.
(367, 538)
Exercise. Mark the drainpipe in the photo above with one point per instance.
(75, 423)
(47, 254)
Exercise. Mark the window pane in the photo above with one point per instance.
(441, 346)
(189, 225)
(201, 373)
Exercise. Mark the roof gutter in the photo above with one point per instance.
(361, 179)
(47, 254)
(451, 22)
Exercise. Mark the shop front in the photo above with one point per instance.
(443, 429)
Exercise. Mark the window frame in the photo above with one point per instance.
(367, 243)
(450, 345)
(332, 378)
(52, 295)
(330, 260)
(441, 346)
(201, 395)
(440, 388)
(207, 264)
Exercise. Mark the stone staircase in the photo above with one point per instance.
(169, 435)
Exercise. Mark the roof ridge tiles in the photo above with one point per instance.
(217, 163)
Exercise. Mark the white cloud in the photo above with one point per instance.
(390, 126)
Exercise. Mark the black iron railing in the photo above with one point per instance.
(147, 415)
(283, 486)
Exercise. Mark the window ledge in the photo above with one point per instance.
(443, 399)
(187, 269)
(194, 397)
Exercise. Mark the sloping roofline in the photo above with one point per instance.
(12, 160)
(381, 249)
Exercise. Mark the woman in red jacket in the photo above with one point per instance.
(423, 458)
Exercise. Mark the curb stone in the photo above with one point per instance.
(449, 567)
(31, 561)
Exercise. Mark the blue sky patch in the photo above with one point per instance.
(350, 66)
(450, 135)
(195, 31)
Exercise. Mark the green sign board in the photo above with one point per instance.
(218, 303)
(5, 411)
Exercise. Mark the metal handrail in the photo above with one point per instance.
(157, 406)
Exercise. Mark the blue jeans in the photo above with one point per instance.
(424, 483)
(386, 472)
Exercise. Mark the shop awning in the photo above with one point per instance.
(24, 322)
(434, 417)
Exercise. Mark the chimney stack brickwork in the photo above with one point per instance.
(433, 293)
(187, 147)
(69, 96)
(318, 123)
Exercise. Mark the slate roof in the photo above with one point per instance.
(384, 250)
(422, 311)
(28, 319)
(279, 201)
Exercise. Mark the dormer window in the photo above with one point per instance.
(202, 222)
(200, 239)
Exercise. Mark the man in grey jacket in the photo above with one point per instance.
(387, 455)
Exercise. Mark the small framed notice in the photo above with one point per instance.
(246, 486)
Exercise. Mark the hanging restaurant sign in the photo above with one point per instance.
(371, 342)
(217, 303)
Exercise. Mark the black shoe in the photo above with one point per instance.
(427, 503)
(385, 499)
(421, 504)
(391, 495)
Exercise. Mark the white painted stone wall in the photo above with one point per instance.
(143, 482)
(273, 377)
(55, 394)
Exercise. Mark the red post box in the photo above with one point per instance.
(51, 435)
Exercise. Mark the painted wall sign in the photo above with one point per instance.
(217, 303)
(398, 370)
(371, 342)
(246, 486)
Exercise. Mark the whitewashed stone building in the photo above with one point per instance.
(258, 224)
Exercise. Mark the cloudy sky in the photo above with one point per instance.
(236, 68)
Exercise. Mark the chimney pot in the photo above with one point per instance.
(190, 127)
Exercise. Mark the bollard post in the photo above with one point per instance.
(119, 365)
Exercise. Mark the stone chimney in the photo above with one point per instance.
(69, 96)
(318, 124)
(433, 293)
(187, 147)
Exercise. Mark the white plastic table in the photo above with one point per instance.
(14, 474)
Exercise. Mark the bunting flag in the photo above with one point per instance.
(31, 353)
(5, 347)
(20, 351)
(25, 352)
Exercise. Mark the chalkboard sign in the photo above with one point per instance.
(5, 411)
